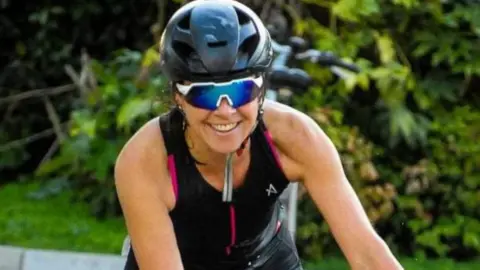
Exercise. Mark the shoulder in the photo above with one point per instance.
(143, 161)
(298, 138)
(291, 127)
(285, 121)
(147, 142)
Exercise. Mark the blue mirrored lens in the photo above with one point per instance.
(207, 97)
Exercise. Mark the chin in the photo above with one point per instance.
(224, 146)
(225, 143)
(224, 149)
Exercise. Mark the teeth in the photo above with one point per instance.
(224, 128)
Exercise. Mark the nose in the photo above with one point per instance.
(224, 108)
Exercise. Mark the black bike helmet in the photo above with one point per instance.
(214, 40)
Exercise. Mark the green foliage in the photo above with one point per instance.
(33, 218)
(407, 126)
(441, 195)
(427, 53)
(410, 121)
(376, 193)
(104, 121)
(410, 264)
(69, 226)
(38, 39)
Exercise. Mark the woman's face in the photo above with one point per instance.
(222, 130)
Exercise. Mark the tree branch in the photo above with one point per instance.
(267, 6)
(29, 139)
(157, 27)
(85, 79)
(38, 93)
(9, 112)
(54, 118)
(50, 152)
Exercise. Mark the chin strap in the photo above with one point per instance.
(227, 193)
(228, 181)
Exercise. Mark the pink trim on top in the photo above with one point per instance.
(173, 174)
(233, 230)
(233, 225)
(273, 148)
(277, 159)
(279, 224)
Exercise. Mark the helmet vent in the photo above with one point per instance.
(217, 44)
(242, 17)
(184, 23)
(182, 49)
(248, 46)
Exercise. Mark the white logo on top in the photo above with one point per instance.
(271, 190)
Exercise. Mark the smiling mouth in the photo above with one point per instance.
(224, 128)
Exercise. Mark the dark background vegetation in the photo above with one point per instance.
(78, 78)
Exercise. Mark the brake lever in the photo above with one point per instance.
(315, 55)
(297, 79)
(326, 59)
(297, 44)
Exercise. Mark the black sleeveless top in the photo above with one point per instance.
(207, 229)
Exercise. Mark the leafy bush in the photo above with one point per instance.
(103, 122)
(410, 264)
(406, 126)
(39, 39)
(441, 194)
(376, 192)
(415, 100)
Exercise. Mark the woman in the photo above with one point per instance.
(199, 185)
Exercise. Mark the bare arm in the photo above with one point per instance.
(312, 158)
(145, 193)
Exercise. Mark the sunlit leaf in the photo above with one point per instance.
(386, 47)
(151, 56)
(132, 109)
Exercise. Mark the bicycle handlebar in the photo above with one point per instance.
(297, 79)
(298, 47)
(326, 59)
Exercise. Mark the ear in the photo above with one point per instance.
(262, 96)
(178, 98)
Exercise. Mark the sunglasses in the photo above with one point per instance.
(209, 95)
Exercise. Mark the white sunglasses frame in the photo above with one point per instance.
(185, 89)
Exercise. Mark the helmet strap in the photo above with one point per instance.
(227, 193)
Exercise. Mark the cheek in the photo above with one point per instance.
(250, 110)
(195, 115)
